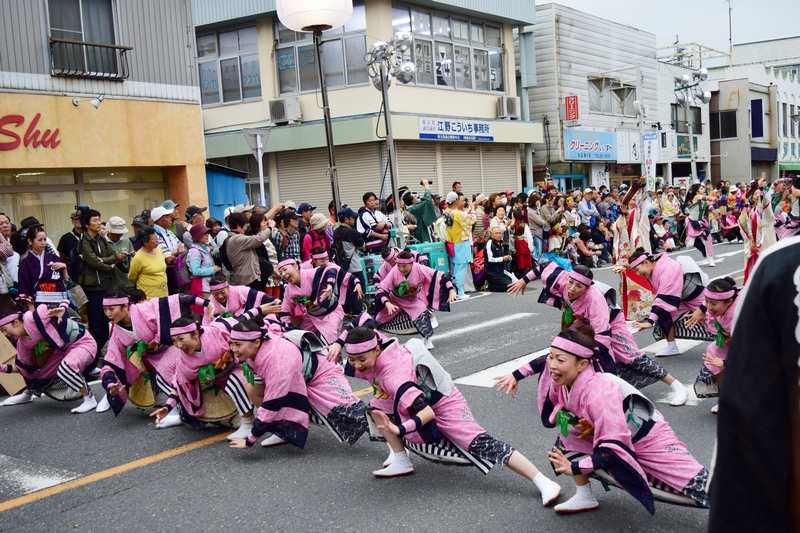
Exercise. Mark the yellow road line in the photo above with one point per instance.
(363, 392)
(104, 474)
(737, 278)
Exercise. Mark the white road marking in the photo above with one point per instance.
(482, 325)
(473, 296)
(484, 378)
(20, 477)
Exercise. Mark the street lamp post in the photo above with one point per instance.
(685, 96)
(384, 62)
(317, 16)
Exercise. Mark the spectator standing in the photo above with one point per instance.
(177, 227)
(373, 225)
(306, 211)
(347, 242)
(459, 233)
(242, 253)
(287, 241)
(95, 277)
(42, 275)
(194, 215)
(201, 265)
(69, 241)
(148, 268)
(168, 242)
(423, 211)
(550, 213)
(116, 229)
(587, 210)
(139, 222)
(315, 236)
(536, 224)
(437, 204)
(6, 253)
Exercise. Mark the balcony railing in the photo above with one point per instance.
(80, 59)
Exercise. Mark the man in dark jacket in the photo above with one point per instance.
(346, 243)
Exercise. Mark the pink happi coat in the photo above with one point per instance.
(214, 342)
(591, 305)
(117, 367)
(393, 369)
(346, 286)
(386, 266)
(69, 341)
(659, 454)
(431, 292)
(726, 322)
(152, 319)
(667, 282)
(240, 299)
(364, 319)
(328, 325)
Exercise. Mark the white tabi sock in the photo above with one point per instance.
(103, 405)
(273, 440)
(89, 403)
(428, 343)
(715, 409)
(583, 501)
(389, 459)
(20, 398)
(434, 322)
(244, 430)
(401, 466)
(671, 349)
(680, 393)
(549, 489)
(711, 261)
(172, 419)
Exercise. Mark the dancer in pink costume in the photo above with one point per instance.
(309, 300)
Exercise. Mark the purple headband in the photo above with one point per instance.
(286, 262)
(711, 295)
(321, 255)
(218, 286)
(580, 278)
(8, 319)
(246, 335)
(116, 301)
(362, 347)
(572, 347)
(392, 253)
(638, 261)
(183, 329)
(404, 261)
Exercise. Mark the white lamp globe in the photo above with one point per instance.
(310, 15)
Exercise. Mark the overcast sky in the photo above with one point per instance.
(701, 21)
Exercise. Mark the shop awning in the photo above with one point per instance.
(790, 166)
(763, 154)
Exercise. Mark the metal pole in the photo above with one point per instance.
(332, 173)
(398, 225)
(260, 151)
(691, 138)
(640, 97)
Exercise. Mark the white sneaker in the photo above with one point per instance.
(711, 262)
(669, 351)
(272, 441)
(583, 501)
(244, 430)
(103, 406)
(19, 399)
(464, 297)
(400, 466)
(428, 343)
(89, 404)
(715, 409)
(549, 489)
(434, 322)
(680, 394)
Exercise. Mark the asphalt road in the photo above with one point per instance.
(94, 472)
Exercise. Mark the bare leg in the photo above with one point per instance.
(549, 489)
(392, 440)
(520, 464)
(255, 393)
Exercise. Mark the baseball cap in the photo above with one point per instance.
(346, 213)
(241, 208)
(192, 210)
(437, 196)
(116, 225)
(169, 204)
(305, 207)
(509, 192)
(228, 211)
(452, 196)
(289, 214)
(159, 212)
(140, 220)
(75, 215)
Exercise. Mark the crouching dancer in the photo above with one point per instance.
(432, 413)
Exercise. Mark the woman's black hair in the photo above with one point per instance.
(9, 308)
(693, 191)
(638, 253)
(211, 221)
(318, 250)
(585, 235)
(723, 285)
(87, 215)
(584, 271)
(252, 324)
(582, 333)
(18, 242)
(405, 254)
(144, 233)
(386, 251)
(217, 280)
(30, 236)
(185, 320)
(360, 334)
(136, 296)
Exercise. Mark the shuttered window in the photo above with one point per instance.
(500, 164)
(359, 169)
(462, 162)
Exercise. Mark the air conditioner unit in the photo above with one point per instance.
(508, 107)
(285, 110)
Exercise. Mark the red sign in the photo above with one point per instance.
(571, 111)
(33, 135)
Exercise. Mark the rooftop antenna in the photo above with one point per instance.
(730, 34)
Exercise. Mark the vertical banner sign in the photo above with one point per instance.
(571, 110)
(651, 155)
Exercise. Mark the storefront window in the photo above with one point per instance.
(51, 208)
(15, 178)
(125, 203)
(133, 175)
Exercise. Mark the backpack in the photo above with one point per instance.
(183, 277)
(75, 265)
(338, 255)
(223, 254)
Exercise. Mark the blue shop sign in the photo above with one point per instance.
(590, 145)
(448, 129)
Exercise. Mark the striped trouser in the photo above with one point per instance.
(238, 394)
(73, 380)
(162, 385)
